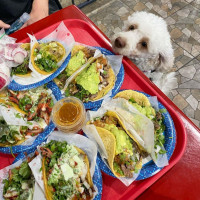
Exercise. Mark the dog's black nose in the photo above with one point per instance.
(119, 42)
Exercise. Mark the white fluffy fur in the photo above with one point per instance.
(159, 56)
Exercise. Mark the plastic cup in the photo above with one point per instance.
(65, 125)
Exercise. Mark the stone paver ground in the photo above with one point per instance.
(183, 19)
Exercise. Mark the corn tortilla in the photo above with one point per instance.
(49, 190)
(109, 142)
(35, 65)
(140, 98)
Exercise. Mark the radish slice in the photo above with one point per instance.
(19, 50)
(11, 63)
(19, 57)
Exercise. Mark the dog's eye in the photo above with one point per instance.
(131, 28)
(144, 44)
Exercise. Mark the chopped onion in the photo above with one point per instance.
(81, 189)
(90, 191)
(158, 148)
(86, 185)
(101, 70)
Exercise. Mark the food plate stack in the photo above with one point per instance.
(127, 134)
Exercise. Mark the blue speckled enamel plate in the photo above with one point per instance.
(97, 177)
(118, 83)
(149, 169)
(17, 87)
(42, 136)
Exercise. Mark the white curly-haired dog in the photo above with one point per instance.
(146, 40)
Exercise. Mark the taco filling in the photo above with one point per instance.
(93, 82)
(66, 172)
(10, 134)
(80, 56)
(142, 104)
(33, 106)
(20, 183)
(126, 156)
(46, 56)
(23, 69)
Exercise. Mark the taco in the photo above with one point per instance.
(23, 69)
(124, 155)
(79, 56)
(20, 182)
(66, 172)
(143, 105)
(33, 109)
(93, 82)
(45, 57)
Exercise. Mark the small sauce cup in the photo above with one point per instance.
(69, 115)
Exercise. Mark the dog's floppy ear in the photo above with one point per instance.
(166, 60)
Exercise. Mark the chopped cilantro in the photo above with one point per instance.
(25, 170)
(132, 100)
(30, 123)
(51, 103)
(67, 93)
(105, 72)
(18, 115)
(163, 110)
(162, 151)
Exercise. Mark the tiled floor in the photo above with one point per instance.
(183, 19)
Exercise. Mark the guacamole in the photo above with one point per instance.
(89, 79)
(122, 139)
(147, 111)
(75, 63)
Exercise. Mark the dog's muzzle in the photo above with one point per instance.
(120, 42)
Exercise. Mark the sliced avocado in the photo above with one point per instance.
(75, 63)
(122, 139)
(89, 79)
(147, 111)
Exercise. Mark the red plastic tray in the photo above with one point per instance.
(88, 34)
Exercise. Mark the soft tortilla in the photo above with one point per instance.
(110, 145)
(84, 49)
(105, 90)
(89, 178)
(10, 145)
(49, 190)
(111, 113)
(109, 142)
(33, 59)
(14, 105)
(140, 98)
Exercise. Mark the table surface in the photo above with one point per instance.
(183, 180)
